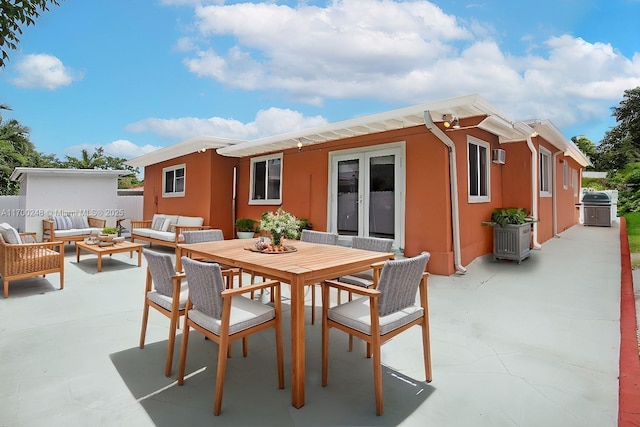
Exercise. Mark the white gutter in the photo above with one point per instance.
(526, 129)
(453, 188)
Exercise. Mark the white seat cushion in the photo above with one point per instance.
(165, 301)
(162, 235)
(355, 314)
(364, 279)
(144, 232)
(245, 313)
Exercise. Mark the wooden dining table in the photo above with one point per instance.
(309, 263)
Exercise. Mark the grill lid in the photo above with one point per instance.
(596, 198)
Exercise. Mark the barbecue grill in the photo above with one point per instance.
(597, 209)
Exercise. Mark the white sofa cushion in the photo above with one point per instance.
(162, 235)
(144, 232)
(190, 220)
(77, 232)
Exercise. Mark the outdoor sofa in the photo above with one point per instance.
(164, 229)
(21, 257)
(71, 228)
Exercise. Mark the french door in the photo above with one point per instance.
(367, 191)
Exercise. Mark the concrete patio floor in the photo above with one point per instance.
(534, 344)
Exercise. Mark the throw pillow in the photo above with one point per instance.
(58, 223)
(166, 224)
(77, 222)
(68, 223)
(10, 234)
(158, 223)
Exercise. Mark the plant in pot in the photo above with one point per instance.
(511, 233)
(246, 228)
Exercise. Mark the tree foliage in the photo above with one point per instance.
(16, 150)
(16, 14)
(99, 160)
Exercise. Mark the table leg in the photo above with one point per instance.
(99, 262)
(178, 258)
(139, 257)
(297, 343)
(77, 253)
(131, 255)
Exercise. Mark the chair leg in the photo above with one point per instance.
(377, 378)
(143, 330)
(245, 347)
(183, 354)
(172, 342)
(222, 367)
(6, 288)
(279, 356)
(426, 349)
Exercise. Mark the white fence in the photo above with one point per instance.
(11, 211)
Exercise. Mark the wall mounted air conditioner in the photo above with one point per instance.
(498, 156)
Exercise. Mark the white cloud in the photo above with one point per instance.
(42, 71)
(404, 52)
(118, 148)
(268, 122)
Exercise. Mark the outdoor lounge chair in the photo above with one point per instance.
(165, 292)
(381, 314)
(20, 260)
(224, 315)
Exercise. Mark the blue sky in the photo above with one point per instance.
(134, 76)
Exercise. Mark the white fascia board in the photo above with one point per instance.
(552, 134)
(182, 148)
(19, 174)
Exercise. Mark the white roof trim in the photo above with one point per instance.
(462, 107)
(551, 133)
(19, 174)
(182, 148)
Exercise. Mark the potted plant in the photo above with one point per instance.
(246, 228)
(110, 231)
(511, 233)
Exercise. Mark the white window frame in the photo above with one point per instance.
(173, 169)
(574, 182)
(479, 198)
(545, 173)
(265, 159)
(565, 174)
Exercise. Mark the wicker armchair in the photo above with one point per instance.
(19, 261)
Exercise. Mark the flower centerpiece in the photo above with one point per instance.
(280, 224)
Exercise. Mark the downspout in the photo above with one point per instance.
(534, 185)
(554, 192)
(453, 188)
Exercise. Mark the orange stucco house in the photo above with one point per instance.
(426, 176)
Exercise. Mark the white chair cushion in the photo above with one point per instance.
(355, 314)
(165, 301)
(245, 313)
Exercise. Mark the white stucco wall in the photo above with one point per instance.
(46, 193)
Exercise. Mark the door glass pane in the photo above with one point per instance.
(348, 171)
(382, 196)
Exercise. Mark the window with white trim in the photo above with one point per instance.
(479, 167)
(173, 181)
(565, 174)
(545, 172)
(266, 180)
(574, 181)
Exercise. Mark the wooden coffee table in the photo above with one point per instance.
(109, 250)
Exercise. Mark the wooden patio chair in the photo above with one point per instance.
(381, 314)
(224, 315)
(214, 235)
(20, 260)
(323, 238)
(164, 292)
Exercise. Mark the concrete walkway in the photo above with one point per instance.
(529, 345)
